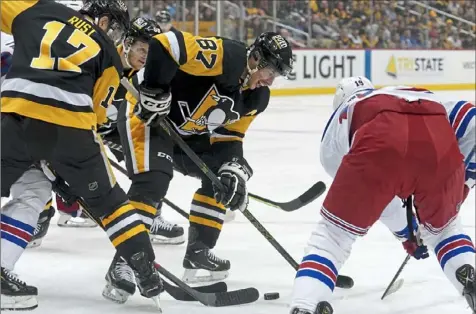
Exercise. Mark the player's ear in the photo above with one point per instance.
(103, 23)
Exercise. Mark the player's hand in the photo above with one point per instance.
(233, 175)
(417, 251)
(153, 105)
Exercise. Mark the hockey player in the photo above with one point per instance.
(217, 87)
(379, 143)
(63, 76)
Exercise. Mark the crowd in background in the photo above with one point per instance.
(391, 24)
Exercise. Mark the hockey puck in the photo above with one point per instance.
(271, 296)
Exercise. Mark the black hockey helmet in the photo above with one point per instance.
(163, 17)
(272, 49)
(142, 28)
(117, 12)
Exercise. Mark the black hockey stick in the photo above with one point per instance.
(214, 179)
(302, 200)
(307, 197)
(396, 284)
(217, 299)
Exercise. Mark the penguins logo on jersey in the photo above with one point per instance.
(214, 110)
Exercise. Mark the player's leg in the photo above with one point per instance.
(206, 217)
(82, 163)
(438, 201)
(148, 153)
(363, 186)
(150, 174)
(18, 216)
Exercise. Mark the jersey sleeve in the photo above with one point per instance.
(104, 91)
(174, 50)
(10, 10)
(228, 140)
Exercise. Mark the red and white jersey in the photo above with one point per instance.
(336, 141)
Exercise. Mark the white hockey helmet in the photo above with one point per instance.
(72, 4)
(349, 86)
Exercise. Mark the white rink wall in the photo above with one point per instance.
(318, 71)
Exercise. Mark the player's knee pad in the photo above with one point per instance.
(146, 193)
(152, 185)
(105, 205)
(32, 189)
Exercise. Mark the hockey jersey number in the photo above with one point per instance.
(207, 45)
(87, 49)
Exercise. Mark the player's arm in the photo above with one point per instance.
(10, 10)
(104, 91)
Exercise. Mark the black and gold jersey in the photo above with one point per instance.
(65, 69)
(120, 95)
(223, 59)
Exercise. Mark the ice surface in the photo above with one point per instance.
(282, 146)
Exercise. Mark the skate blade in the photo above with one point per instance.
(155, 239)
(34, 243)
(75, 222)
(190, 276)
(18, 303)
(157, 303)
(113, 294)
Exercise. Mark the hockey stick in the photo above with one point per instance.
(302, 200)
(396, 284)
(307, 197)
(211, 295)
(217, 299)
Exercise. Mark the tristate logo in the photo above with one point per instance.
(213, 111)
(414, 66)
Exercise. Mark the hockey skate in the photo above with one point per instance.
(322, 308)
(164, 232)
(120, 281)
(465, 275)
(41, 227)
(16, 295)
(147, 277)
(75, 220)
(200, 257)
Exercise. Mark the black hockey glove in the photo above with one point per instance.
(153, 105)
(233, 175)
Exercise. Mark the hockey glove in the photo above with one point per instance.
(153, 105)
(415, 250)
(233, 175)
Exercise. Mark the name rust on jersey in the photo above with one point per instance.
(82, 25)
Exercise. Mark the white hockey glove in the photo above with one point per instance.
(234, 175)
(153, 105)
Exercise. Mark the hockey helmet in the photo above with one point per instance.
(117, 12)
(349, 86)
(273, 50)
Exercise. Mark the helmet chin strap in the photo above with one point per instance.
(250, 71)
(126, 48)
